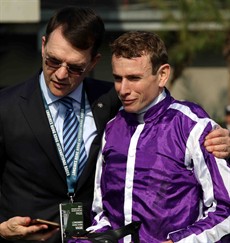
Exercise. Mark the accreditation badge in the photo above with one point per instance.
(71, 220)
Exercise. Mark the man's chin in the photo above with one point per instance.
(130, 109)
(59, 92)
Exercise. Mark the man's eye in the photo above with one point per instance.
(54, 61)
(76, 68)
(133, 78)
(117, 78)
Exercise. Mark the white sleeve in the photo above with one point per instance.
(100, 220)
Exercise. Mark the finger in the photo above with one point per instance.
(218, 148)
(220, 155)
(36, 228)
(209, 148)
(219, 151)
(17, 228)
(218, 132)
(23, 221)
(216, 141)
(18, 221)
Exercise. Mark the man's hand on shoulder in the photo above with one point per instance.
(218, 143)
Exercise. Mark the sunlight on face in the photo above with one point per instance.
(59, 80)
(135, 84)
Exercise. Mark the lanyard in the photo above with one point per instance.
(70, 176)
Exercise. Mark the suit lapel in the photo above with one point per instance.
(100, 108)
(33, 108)
(101, 114)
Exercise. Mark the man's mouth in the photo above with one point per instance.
(128, 101)
(59, 85)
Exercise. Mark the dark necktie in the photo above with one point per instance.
(70, 133)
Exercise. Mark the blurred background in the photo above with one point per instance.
(196, 33)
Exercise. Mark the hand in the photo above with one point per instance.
(19, 228)
(218, 143)
(168, 241)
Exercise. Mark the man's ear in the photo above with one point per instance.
(164, 73)
(43, 45)
(95, 60)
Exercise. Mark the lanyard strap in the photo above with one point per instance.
(70, 176)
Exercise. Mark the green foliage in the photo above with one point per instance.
(200, 25)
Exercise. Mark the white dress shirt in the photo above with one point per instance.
(58, 110)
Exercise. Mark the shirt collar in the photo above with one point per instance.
(140, 114)
(50, 98)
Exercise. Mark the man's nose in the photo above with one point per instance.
(124, 88)
(62, 72)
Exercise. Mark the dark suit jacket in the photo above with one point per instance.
(33, 181)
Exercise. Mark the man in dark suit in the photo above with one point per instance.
(34, 180)
(34, 176)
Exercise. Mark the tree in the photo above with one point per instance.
(198, 26)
